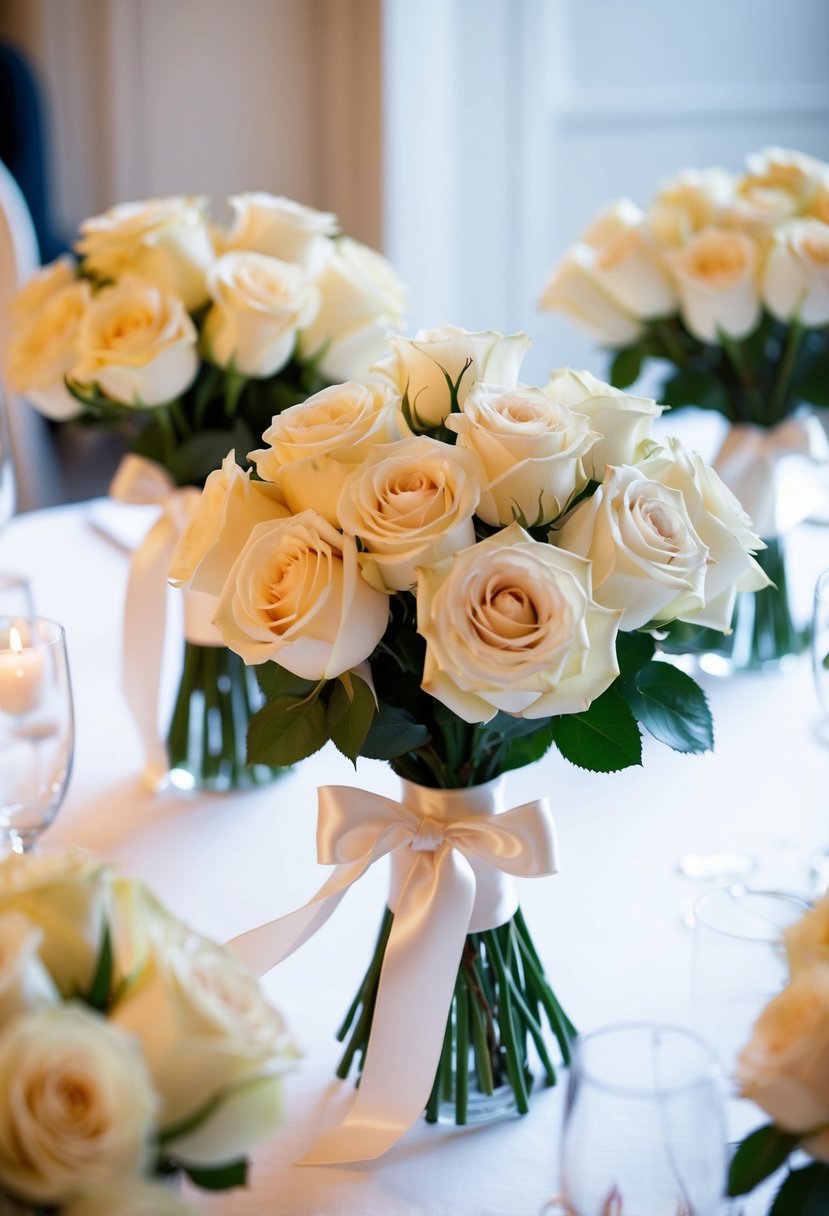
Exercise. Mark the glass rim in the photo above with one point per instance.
(709, 1070)
(736, 893)
(822, 585)
(8, 620)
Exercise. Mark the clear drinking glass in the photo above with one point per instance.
(644, 1128)
(36, 727)
(8, 488)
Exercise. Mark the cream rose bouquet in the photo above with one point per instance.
(785, 1069)
(457, 573)
(131, 1048)
(189, 338)
(722, 284)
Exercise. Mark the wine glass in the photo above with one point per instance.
(8, 490)
(644, 1128)
(36, 727)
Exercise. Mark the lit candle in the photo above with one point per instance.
(21, 676)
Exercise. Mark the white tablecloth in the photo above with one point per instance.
(609, 927)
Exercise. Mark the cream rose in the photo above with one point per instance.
(785, 1066)
(296, 595)
(280, 228)
(627, 265)
(230, 507)
(621, 423)
(248, 1114)
(410, 504)
(795, 277)
(363, 301)
(574, 290)
(531, 449)
(694, 199)
(716, 275)
(779, 185)
(259, 303)
(131, 1197)
(44, 283)
(510, 624)
(43, 347)
(137, 343)
(420, 368)
(24, 981)
(648, 561)
(165, 240)
(76, 1104)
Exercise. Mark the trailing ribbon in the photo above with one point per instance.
(450, 854)
(780, 473)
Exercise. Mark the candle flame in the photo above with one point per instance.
(15, 641)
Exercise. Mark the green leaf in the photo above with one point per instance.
(218, 1177)
(195, 458)
(101, 986)
(604, 739)
(393, 732)
(349, 717)
(286, 731)
(758, 1157)
(275, 681)
(671, 706)
(526, 749)
(633, 650)
(626, 367)
(700, 388)
(804, 1193)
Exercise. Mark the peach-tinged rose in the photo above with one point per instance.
(694, 199)
(410, 504)
(531, 449)
(780, 184)
(716, 276)
(165, 240)
(620, 423)
(259, 304)
(795, 275)
(280, 228)
(628, 266)
(575, 290)
(24, 981)
(510, 624)
(137, 343)
(421, 368)
(44, 283)
(76, 1104)
(807, 942)
(296, 595)
(43, 348)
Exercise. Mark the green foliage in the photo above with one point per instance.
(700, 388)
(287, 730)
(100, 989)
(603, 739)
(218, 1177)
(758, 1157)
(626, 367)
(671, 707)
(805, 1192)
(393, 732)
(349, 714)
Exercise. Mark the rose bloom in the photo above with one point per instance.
(76, 1104)
(648, 561)
(779, 185)
(137, 343)
(43, 348)
(296, 595)
(619, 422)
(410, 504)
(418, 367)
(280, 228)
(510, 624)
(259, 303)
(628, 266)
(795, 277)
(531, 449)
(716, 276)
(694, 199)
(807, 942)
(363, 301)
(129, 1197)
(574, 290)
(162, 239)
(24, 981)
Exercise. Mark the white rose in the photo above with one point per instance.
(716, 275)
(363, 301)
(67, 896)
(280, 228)
(694, 199)
(231, 505)
(409, 504)
(420, 368)
(132, 1197)
(532, 451)
(137, 343)
(76, 1105)
(165, 240)
(259, 303)
(296, 595)
(795, 276)
(779, 185)
(43, 347)
(24, 981)
(202, 1022)
(44, 283)
(620, 422)
(721, 524)
(628, 266)
(248, 1114)
(785, 1066)
(647, 559)
(510, 624)
(807, 942)
(574, 289)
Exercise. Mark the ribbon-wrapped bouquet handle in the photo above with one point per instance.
(453, 860)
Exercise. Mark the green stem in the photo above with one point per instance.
(755, 406)
(778, 402)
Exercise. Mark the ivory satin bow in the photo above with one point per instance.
(445, 862)
(143, 481)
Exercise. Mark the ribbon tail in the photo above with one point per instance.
(413, 1000)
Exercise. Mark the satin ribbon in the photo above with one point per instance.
(142, 481)
(443, 843)
(780, 474)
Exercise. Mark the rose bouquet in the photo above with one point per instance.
(131, 1049)
(189, 337)
(785, 1070)
(723, 284)
(453, 572)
